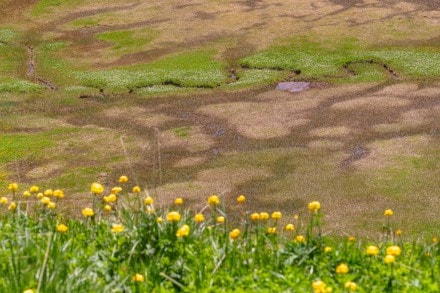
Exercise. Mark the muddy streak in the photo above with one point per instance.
(31, 67)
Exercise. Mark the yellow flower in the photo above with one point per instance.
(213, 200)
(342, 269)
(159, 220)
(220, 219)
(319, 286)
(97, 188)
(296, 217)
(394, 250)
(173, 217)
(13, 186)
(26, 193)
(138, 278)
(264, 216)
(12, 206)
(276, 216)
(234, 234)
(434, 239)
(183, 231)
(48, 192)
(58, 193)
(107, 208)
(199, 218)
(136, 189)
(389, 259)
(398, 232)
(40, 195)
(300, 239)
(351, 238)
(178, 201)
(117, 228)
(110, 198)
(62, 228)
(289, 227)
(149, 210)
(34, 189)
(148, 200)
(241, 199)
(3, 200)
(388, 213)
(314, 206)
(45, 200)
(328, 249)
(87, 212)
(255, 216)
(51, 205)
(350, 286)
(272, 230)
(116, 190)
(123, 179)
(372, 250)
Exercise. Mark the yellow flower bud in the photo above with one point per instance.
(159, 220)
(241, 199)
(3, 200)
(234, 234)
(45, 200)
(255, 216)
(87, 212)
(394, 250)
(58, 193)
(388, 213)
(372, 250)
(136, 189)
(40, 195)
(110, 198)
(289, 227)
(107, 208)
(116, 190)
(389, 259)
(300, 239)
(148, 200)
(26, 193)
(328, 249)
(276, 216)
(117, 228)
(51, 205)
(12, 206)
(34, 189)
(13, 186)
(123, 179)
(342, 269)
(178, 201)
(97, 188)
(264, 216)
(183, 231)
(62, 228)
(138, 278)
(314, 206)
(199, 218)
(213, 200)
(271, 230)
(173, 217)
(350, 286)
(220, 219)
(48, 192)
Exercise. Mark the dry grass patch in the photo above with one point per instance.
(139, 116)
(326, 144)
(190, 138)
(190, 162)
(384, 152)
(376, 102)
(42, 172)
(335, 131)
(401, 89)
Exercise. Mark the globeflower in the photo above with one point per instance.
(173, 217)
(234, 234)
(328, 249)
(276, 216)
(394, 250)
(319, 286)
(58, 193)
(136, 189)
(372, 250)
(110, 198)
(26, 193)
(62, 228)
(220, 219)
(34, 189)
(271, 230)
(116, 190)
(138, 278)
(123, 179)
(117, 228)
(51, 205)
(300, 239)
(289, 227)
(178, 201)
(314, 206)
(342, 269)
(264, 216)
(107, 208)
(48, 192)
(12, 206)
(255, 216)
(388, 213)
(183, 231)
(241, 199)
(350, 286)
(213, 200)
(3, 200)
(87, 212)
(148, 200)
(45, 200)
(13, 186)
(389, 259)
(96, 188)
(199, 218)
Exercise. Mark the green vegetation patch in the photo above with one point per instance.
(128, 41)
(17, 146)
(190, 69)
(20, 86)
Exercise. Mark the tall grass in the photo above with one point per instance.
(121, 243)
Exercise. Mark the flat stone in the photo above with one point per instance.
(293, 86)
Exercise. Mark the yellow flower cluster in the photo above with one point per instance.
(234, 234)
(118, 228)
(183, 231)
(199, 218)
(213, 200)
(173, 216)
(320, 287)
(342, 269)
(314, 206)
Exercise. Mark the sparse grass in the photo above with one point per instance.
(47, 6)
